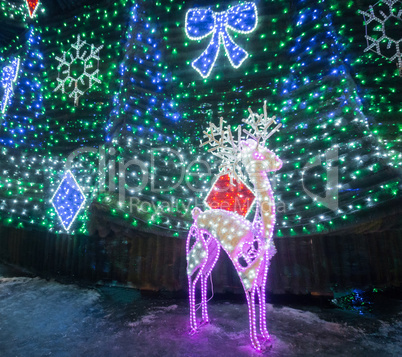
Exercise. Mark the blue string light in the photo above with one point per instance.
(68, 200)
(9, 76)
(27, 96)
(200, 23)
(147, 96)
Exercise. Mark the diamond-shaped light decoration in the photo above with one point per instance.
(68, 200)
(235, 198)
(32, 6)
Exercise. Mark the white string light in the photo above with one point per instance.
(373, 44)
(78, 83)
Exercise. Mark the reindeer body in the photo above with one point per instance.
(248, 244)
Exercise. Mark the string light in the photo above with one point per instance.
(32, 7)
(249, 245)
(68, 200)
(230, 195)
(306, 59)
(83, 81)
(9, 76)
(200, 23)
(385, 20)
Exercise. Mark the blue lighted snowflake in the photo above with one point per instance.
(68, 200)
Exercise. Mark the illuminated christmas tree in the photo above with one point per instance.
(332, 160)
(144, 151)
(335, 163)
(161, 77)
(22, 127)
(23, 112)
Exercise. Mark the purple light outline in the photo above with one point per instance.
(254, 162)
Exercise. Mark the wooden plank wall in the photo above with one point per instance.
(316, 265)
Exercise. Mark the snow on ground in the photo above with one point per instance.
(45, 318)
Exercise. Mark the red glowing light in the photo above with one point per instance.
(235, 198)
(32, 5)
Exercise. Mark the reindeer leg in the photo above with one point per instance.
(252, 318)
(204, 281)
(193, 320)
(260, 286)
(213, 255)
(194, 267)
(193, 316)
(263, 316)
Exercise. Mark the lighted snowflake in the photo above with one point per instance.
(386, 16)
(78, 73)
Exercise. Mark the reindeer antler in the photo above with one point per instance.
(260, 124)
(227, 148)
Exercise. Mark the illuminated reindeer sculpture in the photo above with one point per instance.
(248, 244)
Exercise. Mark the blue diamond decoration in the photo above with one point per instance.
(68, 200)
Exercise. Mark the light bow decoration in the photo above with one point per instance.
(68, 200)
(71, 79)
(386, 23)
(32, 7)
(200, 23)
(9, 76)
(249, 245)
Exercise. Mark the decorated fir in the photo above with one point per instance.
(130, 137)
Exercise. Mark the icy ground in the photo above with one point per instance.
(46, 318)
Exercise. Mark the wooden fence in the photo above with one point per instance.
(318, 265)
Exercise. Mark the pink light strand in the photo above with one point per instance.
(211, 247)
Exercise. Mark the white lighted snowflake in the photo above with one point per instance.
(69, 78)
(389, 23)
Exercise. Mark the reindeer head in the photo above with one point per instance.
(258, 158)
(249, 150)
